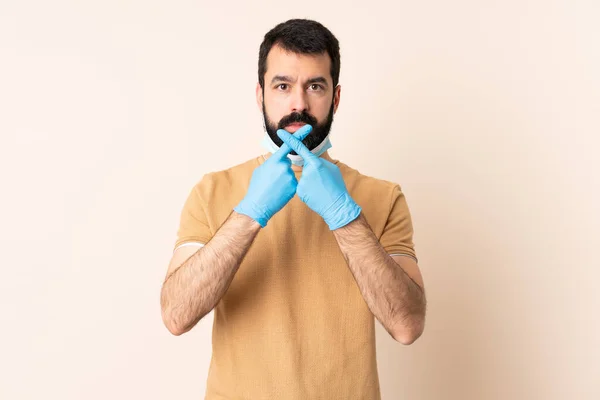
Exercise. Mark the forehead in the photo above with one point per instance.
(282, 62)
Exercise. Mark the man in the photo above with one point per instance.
(295, 251)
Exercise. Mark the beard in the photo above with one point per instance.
(315, 137)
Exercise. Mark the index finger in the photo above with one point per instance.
(296, 145)
(300, 134)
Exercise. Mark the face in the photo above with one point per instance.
(298, 90)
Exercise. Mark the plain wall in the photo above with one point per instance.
(485, 112)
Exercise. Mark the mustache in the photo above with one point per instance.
(295, 118)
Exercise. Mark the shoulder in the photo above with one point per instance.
(379, 198)
(372, 187)
(226, 180)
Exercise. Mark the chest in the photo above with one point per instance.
(295, 253)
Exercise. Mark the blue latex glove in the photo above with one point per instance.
(273, 184)
(322, 186)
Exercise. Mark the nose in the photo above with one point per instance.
(298, 101)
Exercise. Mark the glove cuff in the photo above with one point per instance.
(259, 214)
(343, 211)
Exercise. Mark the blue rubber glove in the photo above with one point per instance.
(273, 184)
(322, 186)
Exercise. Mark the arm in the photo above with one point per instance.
(395, 299)
(193, 289)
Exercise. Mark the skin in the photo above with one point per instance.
(300, 91)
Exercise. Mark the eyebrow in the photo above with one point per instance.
(288, 79)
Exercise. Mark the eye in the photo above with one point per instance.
(315, 87)
(282, 86)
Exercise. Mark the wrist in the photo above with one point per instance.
(259, 215)
(246, 221)
(343, 211)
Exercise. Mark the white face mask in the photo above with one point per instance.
(296, 159)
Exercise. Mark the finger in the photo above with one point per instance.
(300, 134)
(296, 145)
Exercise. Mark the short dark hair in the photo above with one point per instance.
(301, 36)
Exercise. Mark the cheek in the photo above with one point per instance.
(321, 109)
(274, 111)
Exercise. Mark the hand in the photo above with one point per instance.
(322, 186)
(273, 184)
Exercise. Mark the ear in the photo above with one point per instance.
(259, 97)
(336, 97)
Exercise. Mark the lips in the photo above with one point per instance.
(294, 127)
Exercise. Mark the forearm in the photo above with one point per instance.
(391, 295)
(195, 288)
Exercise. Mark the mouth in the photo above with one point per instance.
(291, 128)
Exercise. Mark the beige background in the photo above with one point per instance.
(486, 112)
